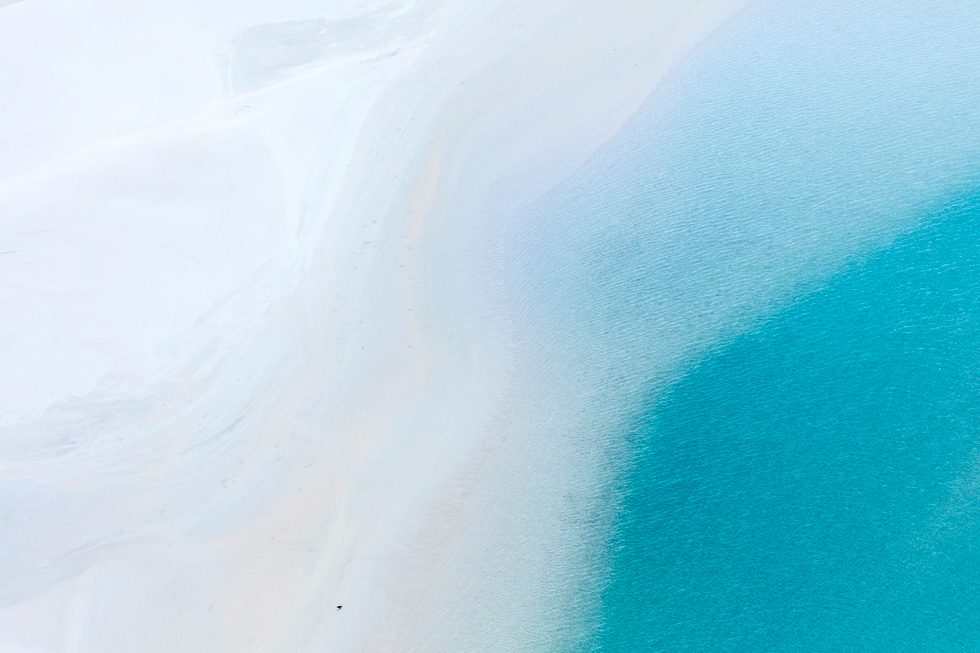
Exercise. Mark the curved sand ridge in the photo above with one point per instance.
(256, 362)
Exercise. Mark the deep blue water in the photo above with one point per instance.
(770, 278)
(814, 484)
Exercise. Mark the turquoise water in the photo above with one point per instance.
(769, 279)
(815, 483)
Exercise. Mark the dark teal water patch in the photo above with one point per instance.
(813, 484)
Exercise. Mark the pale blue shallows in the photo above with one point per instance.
(774, 270)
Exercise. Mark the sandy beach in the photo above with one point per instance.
(257, 359)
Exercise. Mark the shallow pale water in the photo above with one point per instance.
(770, 276)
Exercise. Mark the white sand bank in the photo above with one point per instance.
(254, 360)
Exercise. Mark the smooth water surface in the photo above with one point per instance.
(805, 473)
(772, 269)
